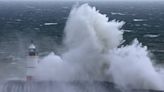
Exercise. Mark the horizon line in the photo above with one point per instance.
(81, 1)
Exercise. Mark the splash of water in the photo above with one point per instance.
(88, 35)
(93, 54)
(131, 67)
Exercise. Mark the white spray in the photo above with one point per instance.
(93, 54)
(131, 67)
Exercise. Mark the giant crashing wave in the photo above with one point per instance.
(93, 54)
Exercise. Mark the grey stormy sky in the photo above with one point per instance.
(81, 0)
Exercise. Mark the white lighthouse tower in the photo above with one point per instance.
(32, 61)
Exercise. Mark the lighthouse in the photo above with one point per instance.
(32, 61)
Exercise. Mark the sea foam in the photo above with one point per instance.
(91, 42)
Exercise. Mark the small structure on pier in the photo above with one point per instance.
(32, 61)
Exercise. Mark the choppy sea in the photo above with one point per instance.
(43, 22)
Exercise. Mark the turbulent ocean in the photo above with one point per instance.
(116, 42)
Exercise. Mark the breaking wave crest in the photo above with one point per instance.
(93, 53)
